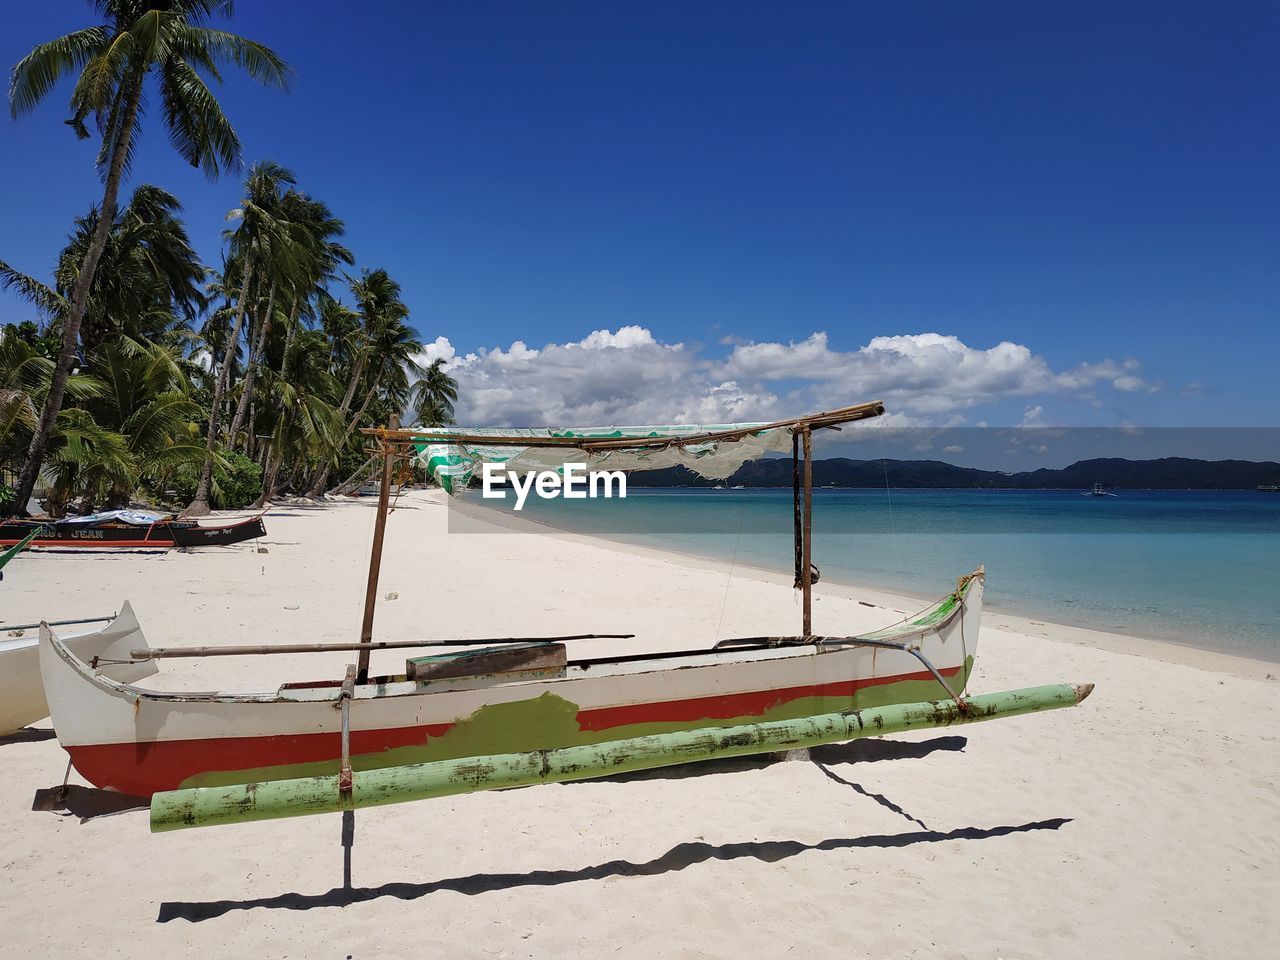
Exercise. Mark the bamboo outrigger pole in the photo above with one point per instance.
(253, 649)
(272, 799)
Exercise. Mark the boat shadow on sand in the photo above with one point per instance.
(679, 857)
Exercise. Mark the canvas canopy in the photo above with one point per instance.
(453, 455)
(453, 464)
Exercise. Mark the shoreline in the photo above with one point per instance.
(896, 599)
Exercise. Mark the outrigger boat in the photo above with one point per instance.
(22, 700)
(117, 529)
(507, 712)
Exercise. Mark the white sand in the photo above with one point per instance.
(1145, 823)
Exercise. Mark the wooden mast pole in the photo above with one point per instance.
(806, 574)
(797, 534)
(375, 558)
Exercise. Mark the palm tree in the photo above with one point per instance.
(260, 239)
(171, 42)
(381, 352)
(308, 424)
(433, 396)
(148, 282)
(306, 263)
(140, 426)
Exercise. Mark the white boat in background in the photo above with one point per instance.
(22, 698)
(1097, 491)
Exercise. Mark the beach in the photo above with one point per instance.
(1143, 823)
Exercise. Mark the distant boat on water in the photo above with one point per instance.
(1269, 488)
(1097, 491)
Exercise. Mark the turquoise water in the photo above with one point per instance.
(1196, 567)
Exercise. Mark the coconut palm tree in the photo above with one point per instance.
(382, 355)
(170, 42)
(432, 397)
(260, 243)
(139, 427)
(148, 282)
(311, 258)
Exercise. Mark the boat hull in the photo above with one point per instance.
(140, 742)
(22, 697)
(219, 536)
(162, 535)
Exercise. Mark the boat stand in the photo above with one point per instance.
(344, 775)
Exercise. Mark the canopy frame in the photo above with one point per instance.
(390, 443)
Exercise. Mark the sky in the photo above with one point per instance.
(1057, 214)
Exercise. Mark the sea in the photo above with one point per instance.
(1195, 567)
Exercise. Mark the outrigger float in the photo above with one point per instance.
(505, 712)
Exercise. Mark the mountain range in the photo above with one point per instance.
(1169, 473)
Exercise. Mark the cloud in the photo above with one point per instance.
(607, 377)
(628, 376)
(439, 349)
(928, 373)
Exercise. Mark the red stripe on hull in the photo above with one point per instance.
(726, 707)
(142, 769)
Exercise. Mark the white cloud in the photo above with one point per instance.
(607, 377)
(627, 376)
(439, 349)
(928, 373)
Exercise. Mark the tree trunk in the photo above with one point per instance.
(318, 487)
(290, 335)
(251, 369)
(199, 506)
(322, 473)
(79, 303)
(269, 483)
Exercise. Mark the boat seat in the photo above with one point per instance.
(511, 661)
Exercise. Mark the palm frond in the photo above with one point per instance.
(39, 71)
(198, 129)
(258, 60)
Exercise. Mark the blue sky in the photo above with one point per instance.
(1095, 183)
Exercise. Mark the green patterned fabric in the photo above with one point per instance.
(453, 464)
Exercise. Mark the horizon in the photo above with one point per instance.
(1003, 215)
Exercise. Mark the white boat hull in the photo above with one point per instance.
(22, 697)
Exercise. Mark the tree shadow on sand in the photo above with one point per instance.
(679, 857)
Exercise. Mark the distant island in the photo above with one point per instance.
(1169, 473)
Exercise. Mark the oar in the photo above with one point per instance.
(156, 653)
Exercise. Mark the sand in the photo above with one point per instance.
(1144, 823)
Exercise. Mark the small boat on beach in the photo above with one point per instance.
(473, 714)
(127, 529)
(494, 700)
(22, 699)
